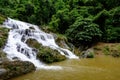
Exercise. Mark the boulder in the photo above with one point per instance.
(3, 73)
(89, 53)
(10, 69)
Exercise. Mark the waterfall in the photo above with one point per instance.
(20, 32)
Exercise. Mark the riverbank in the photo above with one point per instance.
(112, 49)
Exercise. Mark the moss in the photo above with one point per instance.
(62, 41)
(61, 37)
(3, 36)
(2, 18)
(33, 43)
(45, 54)
(3, 39)
(2, 54)
(90, 55)
(48, 55)
(16, 68)
(106, 50)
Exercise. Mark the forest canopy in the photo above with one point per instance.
(83, 22)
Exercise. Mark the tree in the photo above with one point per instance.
(83, 32)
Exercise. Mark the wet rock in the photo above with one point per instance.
(15, 58)
(32, 28)
(3, 73)
(87, 54)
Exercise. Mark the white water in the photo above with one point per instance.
(19, 33)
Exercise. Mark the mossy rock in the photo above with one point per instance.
(2, 54)
(59, 38)
(16, 68)
(48, 55)
(45, 54)
(3, 40)
(87, 54)
(3, 36)
(33, 43)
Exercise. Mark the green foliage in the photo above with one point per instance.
(3, 39)
(100, 19)
(84, 32)
(109, 4)
(3, 36)
(2, 54)
(114, 19)
(106, 50)
(60, 21)
(60, 15)
(112, 34)
(2, 19)
(112, 26)
(90, 55)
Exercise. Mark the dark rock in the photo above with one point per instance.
(15, 58)
(32, 28)
(3, 73)
(87, 54)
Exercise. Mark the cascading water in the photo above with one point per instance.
(19, 33)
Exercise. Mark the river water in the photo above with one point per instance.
(98, 68)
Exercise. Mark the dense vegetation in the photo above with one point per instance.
(84, 22)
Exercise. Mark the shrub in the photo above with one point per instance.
(84, 32)
(106, 50)
(60, 21)
(2, 19)
(112, 24)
